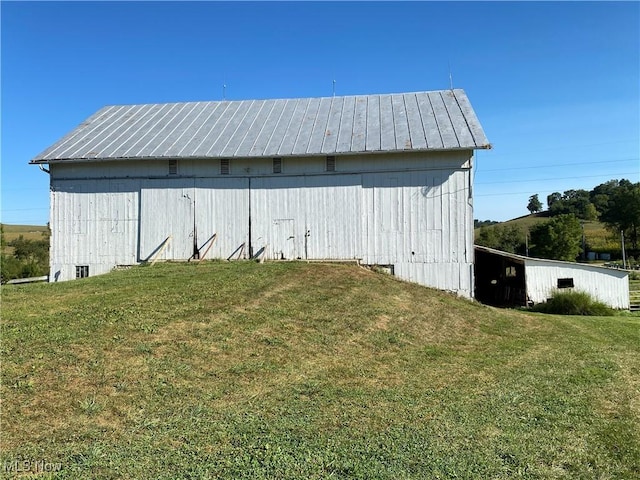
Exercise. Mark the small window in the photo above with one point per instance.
(510, 271)
(565, 283)
(224, 166)
(331, 164)
(277, 165)
(82, 271)
(173, 167)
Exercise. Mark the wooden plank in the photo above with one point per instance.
(211, 242)
(162, 248)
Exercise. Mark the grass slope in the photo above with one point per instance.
(290, 370)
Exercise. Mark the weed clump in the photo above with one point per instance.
(573, 303)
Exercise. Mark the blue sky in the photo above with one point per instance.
(556, 86)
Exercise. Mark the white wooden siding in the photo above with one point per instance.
(606, 285)
(411, 211)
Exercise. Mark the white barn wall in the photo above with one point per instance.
(196, 167)
(606, 285)
(412, 211)
(94, 223)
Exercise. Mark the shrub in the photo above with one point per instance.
(573, 303)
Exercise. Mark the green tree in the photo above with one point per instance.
(507, 238)
(576, 202)
(553, 198)
(622, 212)
(558, 238)
(534, 205)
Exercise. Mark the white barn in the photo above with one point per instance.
(507, 279)
(382, 179)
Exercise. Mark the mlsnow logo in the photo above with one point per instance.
(31, 466)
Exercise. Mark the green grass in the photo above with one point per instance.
(297, 371)
(573, 303)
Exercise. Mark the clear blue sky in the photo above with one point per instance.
(555, 85)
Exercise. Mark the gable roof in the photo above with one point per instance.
(421, 121)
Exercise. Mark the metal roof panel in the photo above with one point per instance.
(419, 121)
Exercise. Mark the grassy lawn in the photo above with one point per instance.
(291, 370)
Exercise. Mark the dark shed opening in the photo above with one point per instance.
(499, 280)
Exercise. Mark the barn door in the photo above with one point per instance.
(167, 209)
(284, 239)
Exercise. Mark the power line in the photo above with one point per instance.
(558, 178)
(622, 160)
(566, 147)
(21, 209)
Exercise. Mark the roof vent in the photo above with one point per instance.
(224, 166)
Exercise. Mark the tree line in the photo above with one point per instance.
(615, 203)
(27, 258)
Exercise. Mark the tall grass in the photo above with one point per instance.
(570, 302)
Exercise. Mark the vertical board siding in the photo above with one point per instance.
(608, 286)
(94, 224)
(167, 210)
(414, 218)
(222, 208)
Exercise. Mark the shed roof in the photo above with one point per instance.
(537, 261)
(420, 121)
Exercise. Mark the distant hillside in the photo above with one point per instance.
(596, 234)
(29, 232)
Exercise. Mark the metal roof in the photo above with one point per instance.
(524, 260)
(420, 121)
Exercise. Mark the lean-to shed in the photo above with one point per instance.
(506, 279)
(382, 179)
